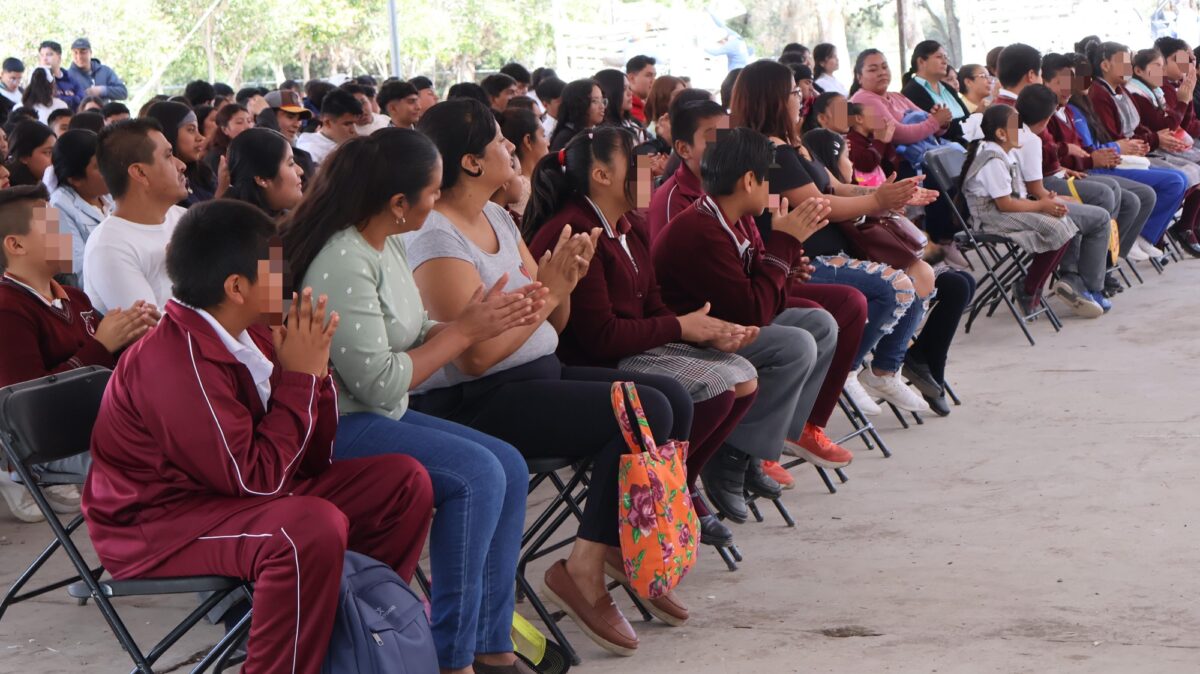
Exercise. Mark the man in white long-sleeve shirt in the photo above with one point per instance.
(125, 257)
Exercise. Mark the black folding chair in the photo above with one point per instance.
(30, 435)
(1003, 261)
(567, 503)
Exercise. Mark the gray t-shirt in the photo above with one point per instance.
(439, 238)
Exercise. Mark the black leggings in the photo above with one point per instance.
(546, 410)
(954, 292)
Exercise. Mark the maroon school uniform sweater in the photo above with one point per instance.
(1106, 112)
(678, 192)
(39, 339)
(1184, 114)
(697, 259)
(617, 309)
(1064, 134)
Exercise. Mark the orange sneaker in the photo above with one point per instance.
(779, 474)
(816, 448)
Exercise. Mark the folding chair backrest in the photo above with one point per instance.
(51, 418)
(945, 165)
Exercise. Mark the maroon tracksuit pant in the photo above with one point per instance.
(292, 548)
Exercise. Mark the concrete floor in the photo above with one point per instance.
(1047, 525)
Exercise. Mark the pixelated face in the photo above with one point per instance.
(836, 117)
(1062, 83)
(643, 181)
(1153, 72)
(4, 174)
(269, 289)
(1120, 66)
(47, 242)
(706, 132)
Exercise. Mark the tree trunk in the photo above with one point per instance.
(910, 29)
(953, 33)
(210, 51)
(305, 64)
(277, 71)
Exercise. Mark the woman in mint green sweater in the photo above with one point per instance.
(342, 241)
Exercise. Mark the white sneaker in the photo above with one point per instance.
(19, 500)
(891, 389)
(64, 498)
(1148, 248)
(860, 397)
(1136, 254)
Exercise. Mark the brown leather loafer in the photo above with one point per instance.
(667, 608)
(602, 622)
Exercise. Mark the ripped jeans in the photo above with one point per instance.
(893, 315)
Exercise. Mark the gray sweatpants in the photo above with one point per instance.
(792, 356)
(1088, 253)
(1127, 201)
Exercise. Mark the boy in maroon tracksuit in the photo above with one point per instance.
(211, 451)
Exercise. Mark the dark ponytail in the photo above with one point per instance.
(858, 67)
(566, 174)
(572, 111)
(994, 119)
(356, 182)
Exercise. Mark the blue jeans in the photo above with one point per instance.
(887, 304)
(479, 488)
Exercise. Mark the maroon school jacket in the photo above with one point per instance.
(675, 194)
(616, 308)
(182, 441)
(700, 258)
(1064, 134)
(1106, 112)
(39, 339)
(1184, 114)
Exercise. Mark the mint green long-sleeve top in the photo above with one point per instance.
(382, 317)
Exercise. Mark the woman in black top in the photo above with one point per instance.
(582, 107)
(766, 99)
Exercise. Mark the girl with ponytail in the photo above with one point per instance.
(618, 317)
(825, 64)
(994, 191)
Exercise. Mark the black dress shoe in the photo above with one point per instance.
(724, 478)
(938, 404)
(917, 372)
(759, 484)
(1112, 285)
(713, 532)
(1187, 240)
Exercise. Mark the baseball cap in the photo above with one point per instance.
(13, 65)
(288, 101)
(81, 43)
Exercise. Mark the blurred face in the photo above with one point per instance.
(91, 186)
(500, 101)
(10, 80)
(240, 121)
(875, 76)
(1061, 84)
(208, 125)
(41, 158)
(951, 78)
(289, 123)
(189, 143)
(368, 114)
(50, 58)
(706, 132)
(1179, 64)
(795, 103)
(807, 92)
(163, 175)
(536, 145)
(1153, 73)
(627, 98)
(979, 84)
(832, 63)
(340, 129)
(406, 111)
(934, 67)
(641, 81)
(45, 243)
(427, 98)
(283, 192)
(596, 110)
(418, 209)
(59, 127)
(1119, 68)
(835, 117)
(82, 58)
(4, 182)
(265, 297)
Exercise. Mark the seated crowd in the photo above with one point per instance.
(343, 317)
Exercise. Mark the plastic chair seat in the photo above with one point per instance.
(145, 586)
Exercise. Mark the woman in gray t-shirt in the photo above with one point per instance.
(513, 386)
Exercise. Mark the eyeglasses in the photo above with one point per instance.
(798, 92)
(602, 101)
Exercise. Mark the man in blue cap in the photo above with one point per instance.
(93, 77)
